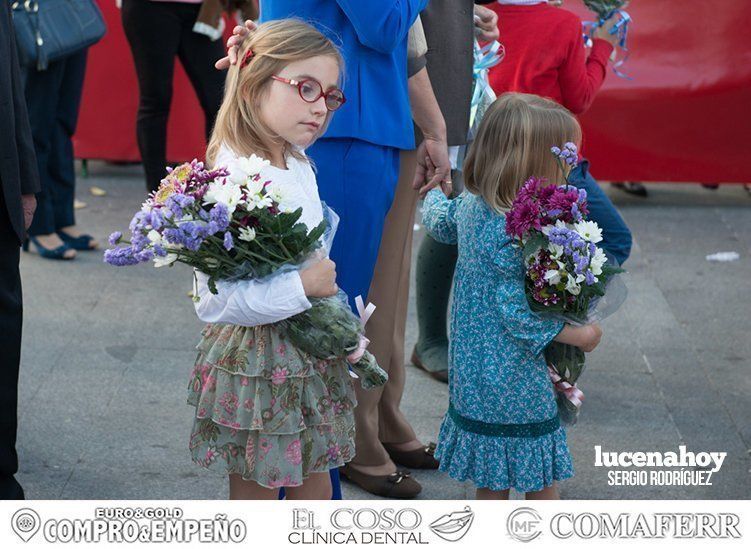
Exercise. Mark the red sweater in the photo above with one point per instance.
(545, 55)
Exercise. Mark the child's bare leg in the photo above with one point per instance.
(316, 486)
(549, 492)
(249, 489)
(487, 493)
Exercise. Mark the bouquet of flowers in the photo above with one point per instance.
(606, 10)
(567, 275)
(231, 227)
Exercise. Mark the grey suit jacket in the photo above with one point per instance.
(18, 166)
(449, 30)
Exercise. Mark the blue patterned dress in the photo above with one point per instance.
(502, 429)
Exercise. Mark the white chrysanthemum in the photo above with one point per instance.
(275, 191)
(252, 165)
(226, 193)
(572, 287)
(165, 261)
(258, 201)
(552, 277)
(558, 225)
(248, 234)
(589, 231)
(154, 237)
(556, 250)
(598, 260)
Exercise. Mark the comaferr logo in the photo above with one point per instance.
(641, 525)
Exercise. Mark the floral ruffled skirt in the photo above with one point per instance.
(266, 410)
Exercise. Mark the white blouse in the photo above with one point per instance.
(250, 302)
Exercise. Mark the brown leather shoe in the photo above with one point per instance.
(396, 485)
(419, 458)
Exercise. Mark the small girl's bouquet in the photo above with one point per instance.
(568, 276)
(605, 10)
(232, 227)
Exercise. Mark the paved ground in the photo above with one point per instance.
(107, 353)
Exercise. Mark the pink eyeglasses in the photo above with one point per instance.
(311, 91)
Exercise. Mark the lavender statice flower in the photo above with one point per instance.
(121, 257)
(568, 155)
(228, 242)
(138, 241)
(220, 215)
(115, 238)
(177, 203)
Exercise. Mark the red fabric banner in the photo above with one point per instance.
(685, 115)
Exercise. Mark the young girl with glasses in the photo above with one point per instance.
(268, 414)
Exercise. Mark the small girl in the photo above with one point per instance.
(502, 429)
(268, 414)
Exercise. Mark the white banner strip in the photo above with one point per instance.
(443, 523)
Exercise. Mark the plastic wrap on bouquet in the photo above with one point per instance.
(329, 329)
(566, 362)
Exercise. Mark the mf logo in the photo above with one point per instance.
(523, 524)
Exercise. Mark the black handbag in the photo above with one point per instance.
(48, 30)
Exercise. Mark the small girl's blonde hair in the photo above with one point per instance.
(274, 45)
(513, 144)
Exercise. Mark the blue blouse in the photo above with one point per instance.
(497, 371)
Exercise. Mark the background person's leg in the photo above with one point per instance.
(61, 159)
(42, 95)
(153, 32)
(387, 293)
(198, 53)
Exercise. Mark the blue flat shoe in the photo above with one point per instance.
(82, 242)
(56, 253)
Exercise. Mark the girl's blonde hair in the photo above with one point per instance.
(274, 45)
(513, 144)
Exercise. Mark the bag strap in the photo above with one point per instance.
(31, 7)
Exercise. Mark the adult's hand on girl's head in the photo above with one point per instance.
(239, 34)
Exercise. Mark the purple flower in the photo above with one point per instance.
(121, 257)
(139, 241)
(589, 278)
(145, 255)
(228, 242)
(568, 155)
(220, 215)
(115, 238)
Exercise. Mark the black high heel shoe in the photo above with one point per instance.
(56, 253)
